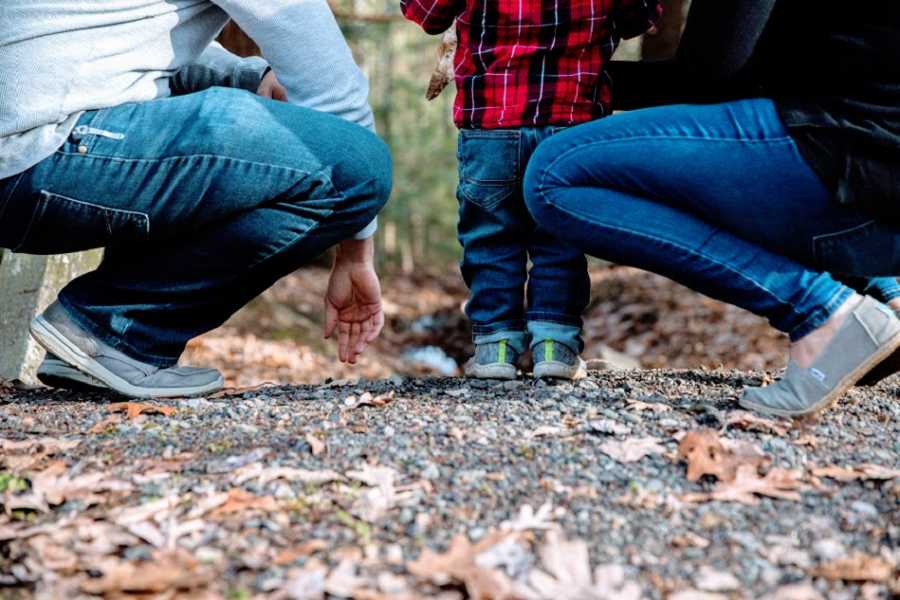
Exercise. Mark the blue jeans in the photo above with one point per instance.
(201, 201)
(499, 237)
(718, 198)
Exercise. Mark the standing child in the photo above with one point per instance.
(524, 70)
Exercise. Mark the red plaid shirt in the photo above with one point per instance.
(530, 63)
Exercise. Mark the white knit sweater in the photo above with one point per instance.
(61, 58)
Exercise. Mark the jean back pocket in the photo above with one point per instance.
(61, 224)
(488, 165)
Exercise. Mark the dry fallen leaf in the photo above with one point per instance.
(751, 422)
(566, 575)
(367, 399)
(856, 567)
(529, 520)
(134, 409)
(165, 573)
(865, 471)
(266, 475)
(632, 449)
(747, 484)
(706, 454)
(443, 71)
(459, 564)
(316, 445)
(239, 500)
(640, 406)
(289, 555)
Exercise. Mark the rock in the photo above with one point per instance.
(710, 579)
(828, 549)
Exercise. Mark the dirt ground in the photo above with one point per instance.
(645, 484)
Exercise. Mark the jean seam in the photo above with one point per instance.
(680, 247)
(163, 160)
(691, 138)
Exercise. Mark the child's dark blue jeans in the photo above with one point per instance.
(499, 237)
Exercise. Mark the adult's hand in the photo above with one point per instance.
(353, 310)
(271, 88)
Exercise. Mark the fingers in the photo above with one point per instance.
(344, 341)
(331, 319)
(376, 325)
(353, 344)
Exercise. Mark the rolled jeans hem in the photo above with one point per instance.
(821, 316)
(515, 338)
(112, 341)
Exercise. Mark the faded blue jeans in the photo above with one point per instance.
(499, 238)
(718, 198)
(201, 201)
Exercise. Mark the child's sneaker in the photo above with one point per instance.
(553, 360)
(497, 360)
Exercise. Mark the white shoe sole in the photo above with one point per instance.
(839, 390)
(552, 369)
(493, 371)
(56, 343)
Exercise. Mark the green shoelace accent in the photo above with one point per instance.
(501, 353)
(548, 350)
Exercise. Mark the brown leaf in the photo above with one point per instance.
(566, 575)
(240, 500)
(706, 454)
(632, 449)
(316, 445)
(856, 567)
(166, 572)
(103, 425)
(459, 565)
(367, 399)
(134, 409)
(289, 555)
(747, 484)
(865, 471)
(750, 422)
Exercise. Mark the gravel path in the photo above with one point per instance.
(284, 491)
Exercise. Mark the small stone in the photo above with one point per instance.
(829, 549)
(431, 472)
(864, 509)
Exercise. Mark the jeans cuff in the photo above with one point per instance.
(517, 339)
(116, 343)
(821, 316)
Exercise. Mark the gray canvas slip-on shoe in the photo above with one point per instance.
(870, 333)
(884, 369)
(62, 337)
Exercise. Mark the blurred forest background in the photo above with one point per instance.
(635, 319)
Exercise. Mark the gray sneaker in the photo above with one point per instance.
(553, 360)
(55, 331)
(57, 373)
(493, 361)
(868, 335)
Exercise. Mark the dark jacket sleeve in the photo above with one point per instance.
(717, 46)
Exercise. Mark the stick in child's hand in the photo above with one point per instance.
(443, 72)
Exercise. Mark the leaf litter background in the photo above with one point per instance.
(626, 485)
